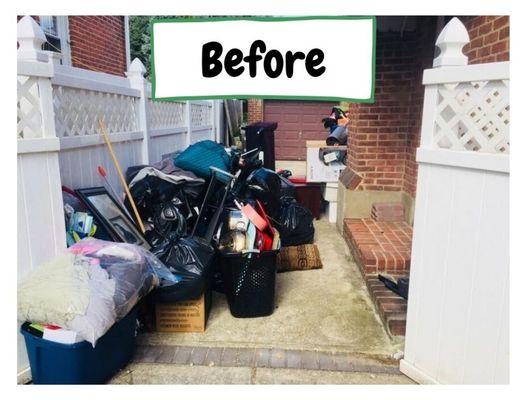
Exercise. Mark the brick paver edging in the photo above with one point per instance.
(263, 358)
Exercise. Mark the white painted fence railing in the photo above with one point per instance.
(59, 144)
(458, 307)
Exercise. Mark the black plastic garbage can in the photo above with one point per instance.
(261, 135)
(249, 282)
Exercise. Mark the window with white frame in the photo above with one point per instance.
(56, 29)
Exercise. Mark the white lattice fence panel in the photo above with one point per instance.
(166, 114)
(77, 111)
(201, 114)
(473, 116)
(29, 115)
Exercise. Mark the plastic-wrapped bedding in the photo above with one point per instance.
(135, 270)
(100, 313)
(55, 292)
(91, 287)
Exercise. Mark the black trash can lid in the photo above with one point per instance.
(265, 126)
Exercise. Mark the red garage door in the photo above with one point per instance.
(298, 121)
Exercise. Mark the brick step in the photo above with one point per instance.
(391, 308)
(379, 246)
(382, 247)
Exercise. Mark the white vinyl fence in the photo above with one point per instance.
(59, 143)
(458, 307)
(141, 130)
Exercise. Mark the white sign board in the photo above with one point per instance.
(317, 58)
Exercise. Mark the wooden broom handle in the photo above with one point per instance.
(119, 171)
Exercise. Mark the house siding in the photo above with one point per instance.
(98, 43)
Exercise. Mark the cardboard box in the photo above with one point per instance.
(317, 170)
(184, 316)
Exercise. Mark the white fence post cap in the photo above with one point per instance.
(30, 39)
(136, 68)
(450, 42)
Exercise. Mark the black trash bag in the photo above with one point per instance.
(165, 200)
(150, 192)
(189, 258)
(153, 187)
(296, 223)
(287, 187)
(168, 218)
(132, 171)
(265, 185)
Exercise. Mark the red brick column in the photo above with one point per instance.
(255, 110)
(377, 132)
(383, 136)
(423, 59)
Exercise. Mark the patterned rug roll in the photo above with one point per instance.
(298, 258)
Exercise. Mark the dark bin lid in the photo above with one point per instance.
(265, 126)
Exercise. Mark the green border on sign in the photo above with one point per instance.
(371, 98)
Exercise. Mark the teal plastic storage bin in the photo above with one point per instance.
(80, 363)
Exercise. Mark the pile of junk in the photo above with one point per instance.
(207, 218)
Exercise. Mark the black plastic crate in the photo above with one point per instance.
(249, 282)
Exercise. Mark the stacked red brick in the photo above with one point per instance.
(98, 43)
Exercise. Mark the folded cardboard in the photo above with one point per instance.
(183, 316)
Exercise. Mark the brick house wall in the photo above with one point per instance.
(383, 136)
(424, 56)
(98, 43)
(489, 38)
